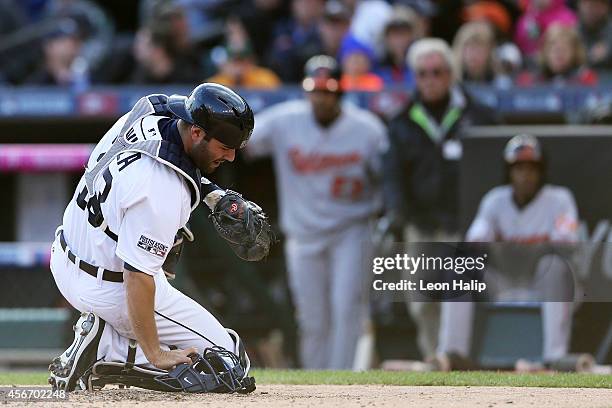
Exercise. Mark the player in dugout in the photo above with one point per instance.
(532, 222)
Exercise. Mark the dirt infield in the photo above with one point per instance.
(345, 396)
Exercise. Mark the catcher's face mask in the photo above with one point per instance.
(216, 370)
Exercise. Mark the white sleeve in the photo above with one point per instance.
(261, 142)
(565, 228)
(154, 212)
(483, 226)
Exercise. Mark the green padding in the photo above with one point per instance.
(507, 334)
(33, 314)
(33, 328)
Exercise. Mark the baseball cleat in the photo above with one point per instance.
(66, 369)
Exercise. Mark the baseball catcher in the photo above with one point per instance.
(122, 236)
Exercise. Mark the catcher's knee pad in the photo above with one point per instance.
(111, 372)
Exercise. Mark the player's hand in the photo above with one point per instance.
(167, 359)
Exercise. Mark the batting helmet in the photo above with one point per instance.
(522, 148)
(322, 74)
(221, 112)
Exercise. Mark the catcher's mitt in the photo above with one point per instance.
(243, 225)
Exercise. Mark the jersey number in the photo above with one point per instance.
(346, 188)
(93, 205)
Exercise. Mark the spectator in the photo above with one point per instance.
(157, 60)
(238, 66)
(425, 10)
(15, 61)
(296, 39)
(357, 63)
(327, 159)
(596, 32)
(446, 19)
(539, 15)
(201, 17)
(96, 29)
(368, 22)
(399, 34)
(240, 70)
(563, 58)
(509, 64)
(334, 26)
(474, 49)
(259, 18)
(61, 49)
(34, 24)
(421, 168)
(490, 12)
(526, 211)
(172, 19)
(11, 17)
(163, 50)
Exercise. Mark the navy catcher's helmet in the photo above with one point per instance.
(221, 112)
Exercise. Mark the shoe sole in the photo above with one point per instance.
(66, 376)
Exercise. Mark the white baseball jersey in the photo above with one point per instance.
(143, 201)
(550, 216)
(325, 176)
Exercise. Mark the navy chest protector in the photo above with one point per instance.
(132, 138)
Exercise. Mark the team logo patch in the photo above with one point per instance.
(152, 247)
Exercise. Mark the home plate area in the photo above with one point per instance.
(279, 395)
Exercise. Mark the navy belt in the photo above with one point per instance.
(110, 276)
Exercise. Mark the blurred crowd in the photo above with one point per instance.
(265, 43)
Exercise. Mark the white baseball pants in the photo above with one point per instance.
(181, 321)
(329, 280)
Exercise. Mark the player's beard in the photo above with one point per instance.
(203, 158)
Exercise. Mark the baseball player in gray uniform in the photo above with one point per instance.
(525, 211)
(327, 158)
(123, 229)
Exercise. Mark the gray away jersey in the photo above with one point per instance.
(550, 216)
(326, 177)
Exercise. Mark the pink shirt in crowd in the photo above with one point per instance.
(533, 23)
